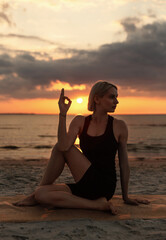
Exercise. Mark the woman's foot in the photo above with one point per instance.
(27, 201)
(105, 205)
(113, 210)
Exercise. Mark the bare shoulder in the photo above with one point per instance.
(121, 130)
(79, 119)
(120, 124)
(77, 123)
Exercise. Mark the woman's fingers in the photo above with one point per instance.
(143, 201)
(61, 95)
(136, 201)
(69, 100)
(64, 102)
(62, 92)
(63, 98)
(132, 201)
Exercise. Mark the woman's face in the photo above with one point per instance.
(109, 101)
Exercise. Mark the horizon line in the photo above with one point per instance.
(56, 114)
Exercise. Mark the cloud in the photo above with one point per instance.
(4, 17)
(136, 65)
(13, 52)
(129, 24)
(148, 33)
(11, 35)
(3, 13)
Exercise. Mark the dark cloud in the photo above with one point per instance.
(129, 24)
(137, 65)
(11, 35)
(4, 49)
(6, 65)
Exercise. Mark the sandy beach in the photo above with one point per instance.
(147, 179)
(86, 229)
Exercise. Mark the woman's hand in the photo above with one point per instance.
(63, 107)
(136, 201)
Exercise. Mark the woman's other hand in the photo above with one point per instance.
(136, 201)
(64, 107)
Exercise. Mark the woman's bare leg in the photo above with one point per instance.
(57, 195)
(78, 164)
(53, 196)
(76, 161)
(53, 170)
(54, 167)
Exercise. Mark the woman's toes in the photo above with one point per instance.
(114, 211)
(28, 201)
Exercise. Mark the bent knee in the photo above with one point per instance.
(55, 148)
(71, 150)
(58, 148)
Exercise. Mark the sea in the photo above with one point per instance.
(32, 136)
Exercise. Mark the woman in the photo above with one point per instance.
(93, 169)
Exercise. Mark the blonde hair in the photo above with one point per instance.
(99, 89)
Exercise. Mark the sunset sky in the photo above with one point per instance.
(49, 44)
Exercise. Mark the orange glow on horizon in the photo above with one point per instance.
(58, 85)
(127, 105)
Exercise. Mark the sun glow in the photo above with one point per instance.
(58, 85)
(79, 100)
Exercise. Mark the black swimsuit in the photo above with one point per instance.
(100, 178)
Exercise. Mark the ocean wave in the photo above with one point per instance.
(13, 147)
(7, 128)
(155, 146)
(147, 125)
(43, 146)
(132, 147)
(156, 125)
(45, 136)
(10, 147)
(137, 147)
(33, 160)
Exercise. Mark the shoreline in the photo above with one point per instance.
(56, 114)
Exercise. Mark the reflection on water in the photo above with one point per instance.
(33, 136)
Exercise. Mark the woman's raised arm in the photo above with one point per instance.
(66, 140)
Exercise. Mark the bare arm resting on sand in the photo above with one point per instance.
(124, 166)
